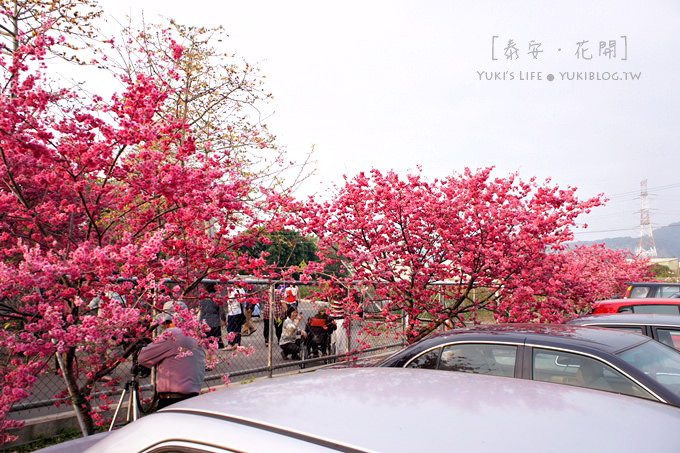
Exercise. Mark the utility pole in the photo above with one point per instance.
(646, 246)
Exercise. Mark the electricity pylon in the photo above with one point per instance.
(646, 246)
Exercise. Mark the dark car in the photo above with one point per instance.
(663, 328)
(638, 290)
(591, 357)
(662, 306)
(395, 410)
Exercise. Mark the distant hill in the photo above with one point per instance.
(667, 240)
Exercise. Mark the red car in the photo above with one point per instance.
(663, 306)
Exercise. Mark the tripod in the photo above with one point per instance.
(131, 390)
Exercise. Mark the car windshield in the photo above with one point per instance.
(660, 362)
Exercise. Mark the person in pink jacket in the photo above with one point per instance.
(180, 361)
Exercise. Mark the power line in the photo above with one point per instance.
(604, 231)
(672, 225)
(637, 192)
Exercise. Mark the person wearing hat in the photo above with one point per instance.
(180, 361)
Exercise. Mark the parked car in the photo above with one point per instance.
(391, 410)
(663, 328)
(602, 359)
(638, 290)
(663, 306)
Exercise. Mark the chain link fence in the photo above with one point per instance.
(255, 359)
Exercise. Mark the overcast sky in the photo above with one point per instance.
(401, 84)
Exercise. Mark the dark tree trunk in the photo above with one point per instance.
(78, 400)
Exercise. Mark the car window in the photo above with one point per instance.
(581, 371)
(497, 360)
(657, 309)
(669, 337)
(427, 360)
(638, 291)
(636, 329)
(667, 291)
(657, 361)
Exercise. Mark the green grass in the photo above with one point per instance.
(44, 441)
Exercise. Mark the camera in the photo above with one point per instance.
(137, 369)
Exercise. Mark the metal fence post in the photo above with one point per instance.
(349, 334)
(270, 335)
(349, 320)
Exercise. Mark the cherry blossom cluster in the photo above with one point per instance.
(439, 252)
(101, 205)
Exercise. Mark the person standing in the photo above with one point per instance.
(248, 327)
(337, 312)
(180, 361)
(279, 313)
(336, 297)
(291, 296)
(235, 318)
(213, 315)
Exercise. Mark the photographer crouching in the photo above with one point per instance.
(179, 359)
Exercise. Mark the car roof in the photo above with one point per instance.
(654, 283)
(405, 410)
(640, 301)
(628, 318)
(577, 337)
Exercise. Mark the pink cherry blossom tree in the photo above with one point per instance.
(567, 282)
(214, 91)
(99, 202)
(441, 251)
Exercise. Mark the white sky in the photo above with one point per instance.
(395, 84)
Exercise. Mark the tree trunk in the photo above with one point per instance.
(78, 400)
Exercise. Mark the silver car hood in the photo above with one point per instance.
(406, 410)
